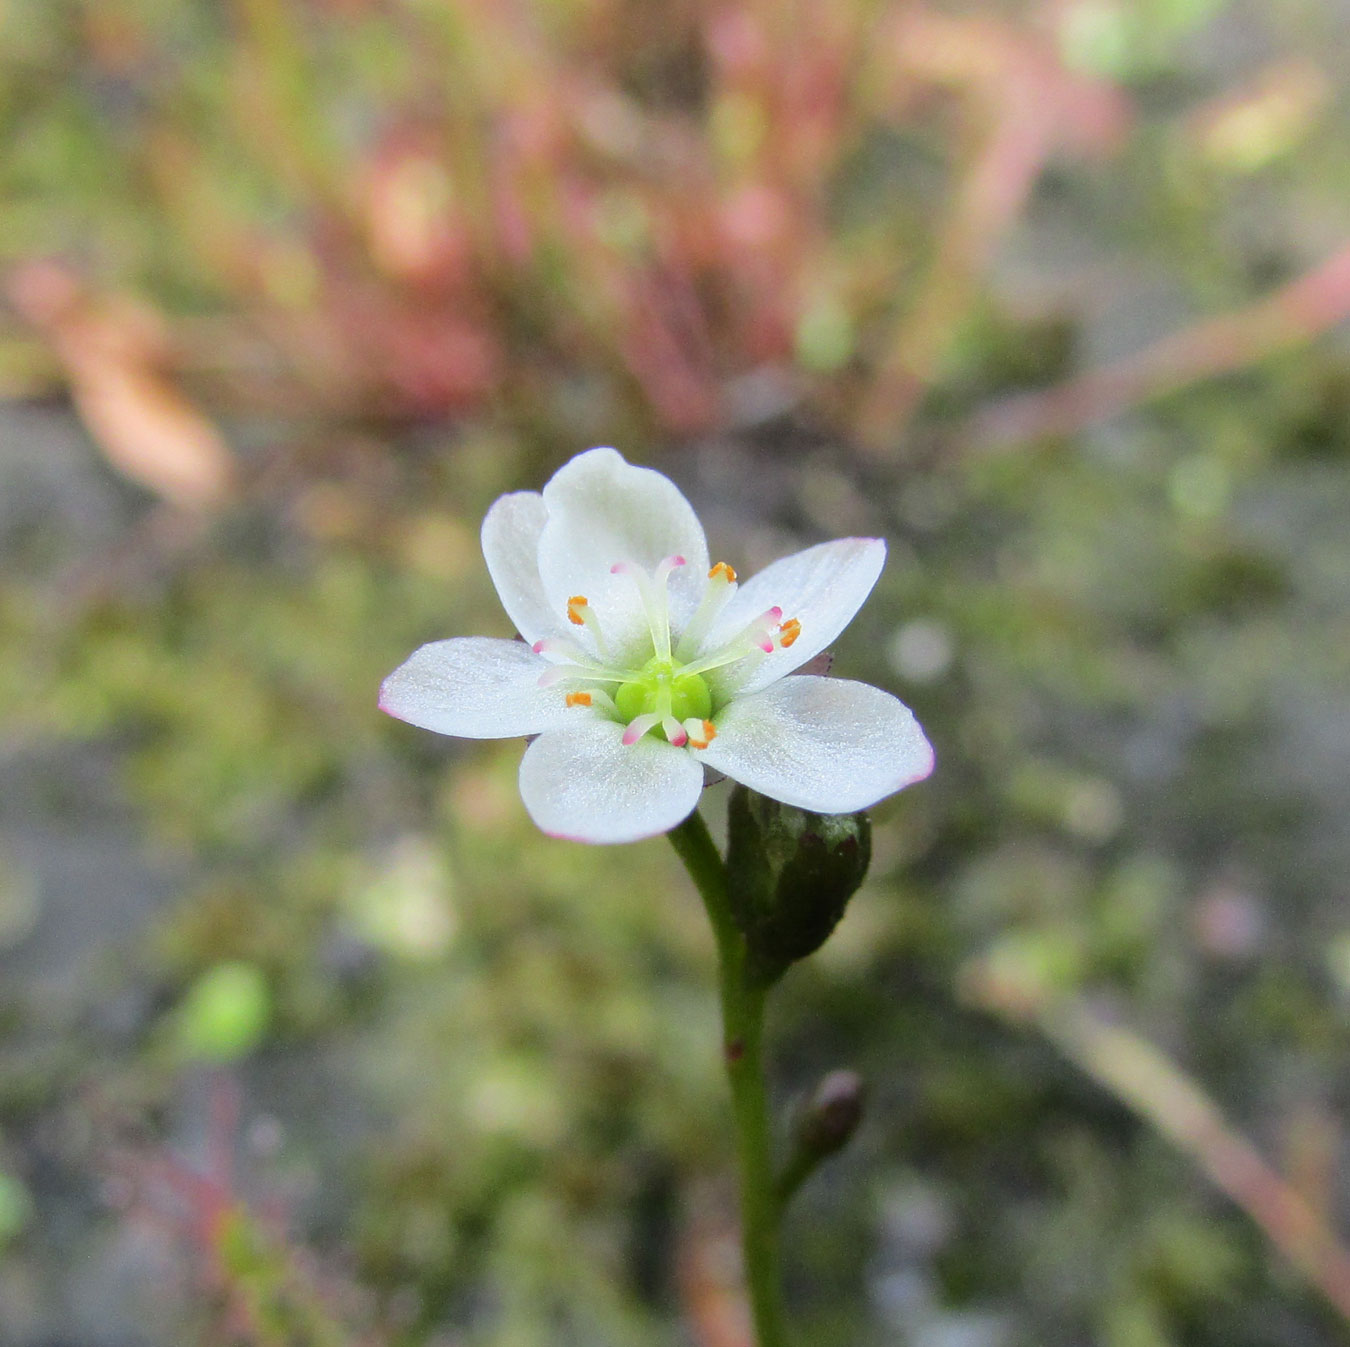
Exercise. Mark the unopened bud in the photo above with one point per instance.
(822, 1127)
(790, 874)
(832, 1114)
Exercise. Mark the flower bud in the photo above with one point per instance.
(790, 874)
(822, 1127)
(831, 1115)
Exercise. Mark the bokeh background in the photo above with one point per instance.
(306, 1035)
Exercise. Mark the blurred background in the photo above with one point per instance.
(306, 1035)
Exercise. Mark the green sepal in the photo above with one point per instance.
(790, 874)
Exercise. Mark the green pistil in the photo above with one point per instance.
(662, 689)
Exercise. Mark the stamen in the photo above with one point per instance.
(582, 673)
(605, 702)
(788, 632)
(590, 696)
(753, 636)
(701, 732)
(581, 614)
(638, 727)
(675, 732)
(722, 585)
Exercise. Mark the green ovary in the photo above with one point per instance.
(663, 690)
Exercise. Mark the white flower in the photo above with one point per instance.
(641, 664)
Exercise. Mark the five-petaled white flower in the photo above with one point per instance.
(641, 664)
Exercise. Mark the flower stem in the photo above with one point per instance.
(742, 996)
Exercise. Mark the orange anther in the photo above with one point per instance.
(724, 571)
(574, 606)
(709, 734)
(788, 632)
(578, 699)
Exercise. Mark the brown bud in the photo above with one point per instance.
(832, 1114)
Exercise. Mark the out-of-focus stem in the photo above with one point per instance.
(1136, 1072)
(1291, 316)
(1148, 1082)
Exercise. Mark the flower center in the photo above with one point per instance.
(669, 691)
(664, 687)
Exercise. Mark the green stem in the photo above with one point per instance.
(800, 1166)
(742, 997)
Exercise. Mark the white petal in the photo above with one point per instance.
(822, 587)
(823, 744)
(476, 687)
(511, 548)
(583, 784)
(602, 510)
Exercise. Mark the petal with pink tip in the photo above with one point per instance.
(584, 784)
(824, 744)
